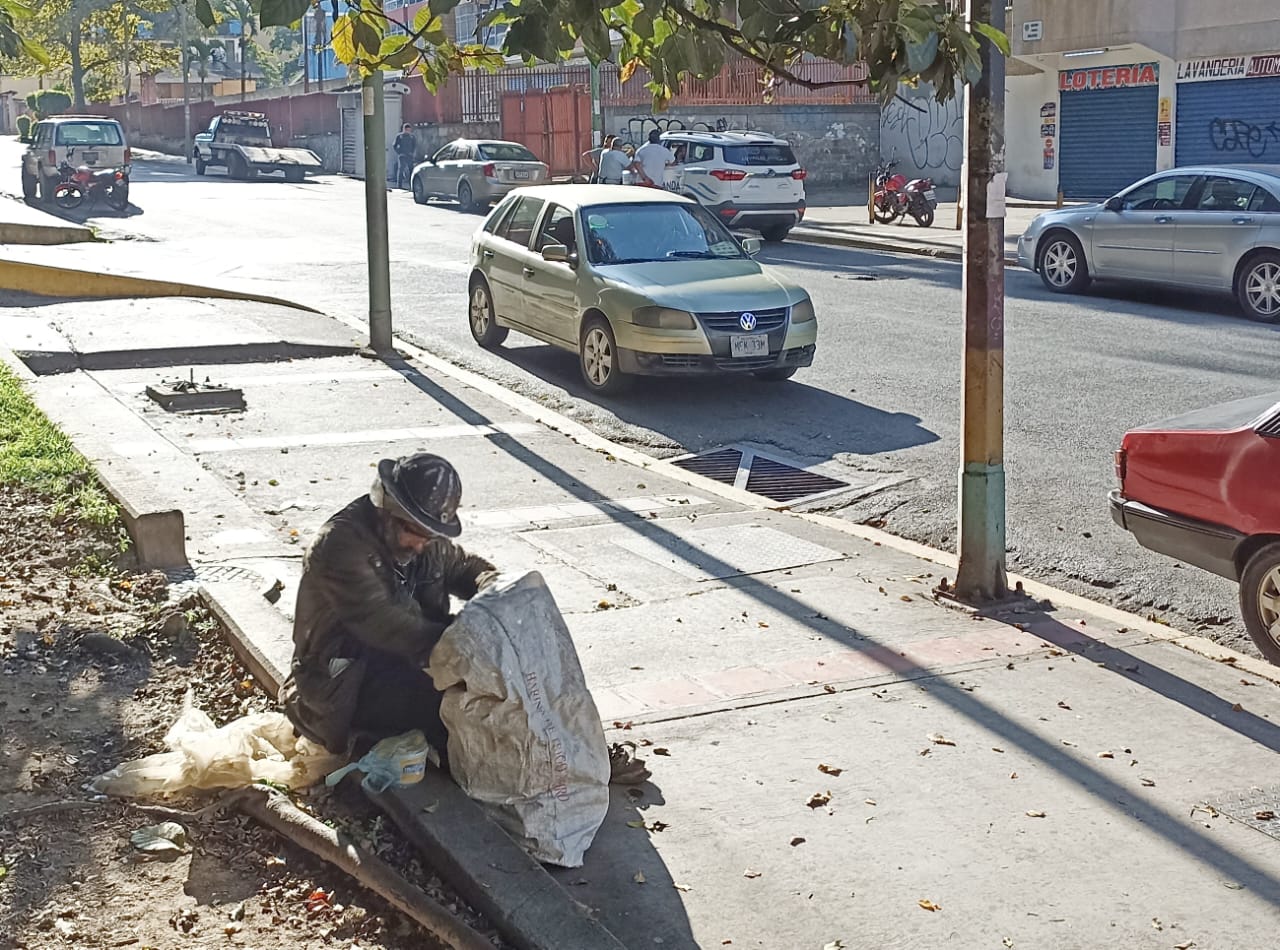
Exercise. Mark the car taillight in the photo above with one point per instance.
(119, 176)
(488, 171)
(728, 212)
(53, 157)
(728, 174)
(799, 174)
(1121, 464)
(128, 155)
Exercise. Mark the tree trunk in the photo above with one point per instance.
(77, 63)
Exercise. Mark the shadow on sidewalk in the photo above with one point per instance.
(666, 403)
(1109, 794)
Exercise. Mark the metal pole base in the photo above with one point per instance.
(982, 576)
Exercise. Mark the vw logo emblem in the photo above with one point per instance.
(747, 321)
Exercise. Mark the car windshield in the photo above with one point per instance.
(657, 231)
(89, 133)
(506, 152)
(759, 155)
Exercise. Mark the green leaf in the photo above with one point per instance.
(367, 38)
(35, 51)
(279, 12)
(344, 47)
(204, 13)
(998, 38)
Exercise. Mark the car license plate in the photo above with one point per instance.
(90, 157)
(523, 175)
(755, 345)
(931, 195)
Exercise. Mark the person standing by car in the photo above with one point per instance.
(593, 156)
(404, 146)
(613, 164)
(653, 158)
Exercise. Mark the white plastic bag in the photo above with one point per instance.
(525, 738)
(257, 747)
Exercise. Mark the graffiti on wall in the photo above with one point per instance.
(1243, 137)
(638, 127)
(930, 133)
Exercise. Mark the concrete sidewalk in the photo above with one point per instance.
(21, 223)
(839, 758)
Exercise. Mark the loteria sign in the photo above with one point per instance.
(1109, 77)
(1229, 67)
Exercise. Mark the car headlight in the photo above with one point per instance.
(663, 318)
(803, 311)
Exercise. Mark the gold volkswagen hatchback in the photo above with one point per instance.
(636, 281)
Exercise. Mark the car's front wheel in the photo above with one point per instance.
(598, 358)
(419, 191)
(1259, 288)
(1062, 265)
(1260, 600)
(201, 167)
(480, 316)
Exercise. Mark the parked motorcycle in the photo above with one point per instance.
(895, 196)
(84, 183)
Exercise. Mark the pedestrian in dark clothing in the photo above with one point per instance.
(404, 146)
(373, 602)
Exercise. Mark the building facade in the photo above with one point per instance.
(1103, 92)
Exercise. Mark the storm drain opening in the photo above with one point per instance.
(760, 474)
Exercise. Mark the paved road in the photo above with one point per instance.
(882, 399)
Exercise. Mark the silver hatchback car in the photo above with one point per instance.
(1213, 228)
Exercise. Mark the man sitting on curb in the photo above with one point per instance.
(372, 604)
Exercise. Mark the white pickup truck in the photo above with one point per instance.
(241, 142)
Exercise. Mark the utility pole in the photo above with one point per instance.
(982, 574)
(597, 117)
(186, 84)
(306, 57)
(375, 201)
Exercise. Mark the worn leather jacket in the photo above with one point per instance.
(357, 608)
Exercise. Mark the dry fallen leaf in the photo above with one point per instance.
(635, 824)
(1186, 945)
(1237, 708)
(1233, 885)
(938, 739)
(818, 799)
(1062, 704)
(834, 945)
(796, 840)
(1035, 814)
(659, 750)
(928, 905)
(1148, 783)
(1013, 775)
(751, 873)
(1265, 815)
(829, 769)
(638, 877)
(1007, 941)
(681, 887)
(1106, 755)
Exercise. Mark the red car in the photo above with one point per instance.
(1205, 488)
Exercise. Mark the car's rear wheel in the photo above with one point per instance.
(30, 185)
(419, 191)
(776, 234)
(598, 358)
(480, 316)
(1260, 600)
(1259, 288)
(237, 167)
(1062, 265)
(295, 175)
(47, 188)
(466, 200)
(778, 375)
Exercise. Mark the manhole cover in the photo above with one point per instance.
(1259, 808)
(761, 474)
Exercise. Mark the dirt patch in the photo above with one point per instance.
(96, 661)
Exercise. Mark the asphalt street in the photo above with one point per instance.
(880, 402)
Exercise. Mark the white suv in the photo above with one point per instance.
(749, 180)
(94, 140)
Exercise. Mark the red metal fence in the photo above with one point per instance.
(741, 83)
(555, 124)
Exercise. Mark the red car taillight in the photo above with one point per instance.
(1121, 465)
(488, 171)
(728, 174)
(799, 174)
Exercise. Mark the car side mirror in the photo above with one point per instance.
(1114, 204)
(558, 254)
(752, 246)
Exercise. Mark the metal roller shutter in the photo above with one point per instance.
(1232, 121)
(1107, 140)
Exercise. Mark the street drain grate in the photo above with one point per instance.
(1259, 808)
(760, 474)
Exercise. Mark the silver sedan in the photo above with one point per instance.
(476, 173)
(1213, 228)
